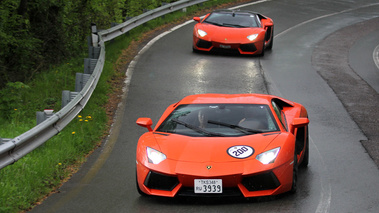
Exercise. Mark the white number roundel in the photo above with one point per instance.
(240, 151)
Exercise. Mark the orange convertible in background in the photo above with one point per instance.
(245, 31)
(223, 145)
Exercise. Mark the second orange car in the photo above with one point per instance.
(244, 31)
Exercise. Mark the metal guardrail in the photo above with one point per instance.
(11, 150)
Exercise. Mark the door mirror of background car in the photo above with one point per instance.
(266, 23)
(197, 19)
(300, 122)
(145, 122)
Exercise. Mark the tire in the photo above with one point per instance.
(263, 49)
(305, 162)
(294, 175)
(269, 46)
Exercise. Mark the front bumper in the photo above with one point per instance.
(245, 48)
(261, 183)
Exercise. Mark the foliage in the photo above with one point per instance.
(35, 34)
(11, 99)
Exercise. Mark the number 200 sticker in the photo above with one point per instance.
(240, 151)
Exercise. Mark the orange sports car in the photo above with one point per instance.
(245, 31)
(223, 145)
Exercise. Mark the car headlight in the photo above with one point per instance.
(201, 33)
(268, 156)
(155, 156)
(252, 37)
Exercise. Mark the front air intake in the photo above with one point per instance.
(248, 47)
(160, 181)
(204, 44)
(259, 182)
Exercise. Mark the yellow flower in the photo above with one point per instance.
(80, 120)
(79, 116)
(73, 133)
(59, 164)
(86, 120)
(15, 109)
(88, 117)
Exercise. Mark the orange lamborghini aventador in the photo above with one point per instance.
(245, 31)
(223, 145)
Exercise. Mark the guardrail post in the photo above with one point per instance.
(67, 96)
(81, 80)
(93, 52)
(89, 65)
(126, 19)
(42, 116)
(164, 4)
(94, 36)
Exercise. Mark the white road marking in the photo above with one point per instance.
(375, 56)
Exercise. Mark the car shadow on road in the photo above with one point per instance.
(225, 52)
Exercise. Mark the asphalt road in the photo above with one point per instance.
(314, 51)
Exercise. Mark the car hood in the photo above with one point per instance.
(210, 149)
(229, 34)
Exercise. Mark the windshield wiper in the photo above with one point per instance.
(225, 24)
(214, 23)
(237, 127)
(196, 128)
(233, 25)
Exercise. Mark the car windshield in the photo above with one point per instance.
(219, 120)
(229, 19)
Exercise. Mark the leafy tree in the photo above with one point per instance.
(19, 51)
(35, 34)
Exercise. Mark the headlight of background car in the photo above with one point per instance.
(155, 156)
(201, 33)
(252, 37)
(269, 156)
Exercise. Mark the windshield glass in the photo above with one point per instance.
(219, 120)
(229, 19)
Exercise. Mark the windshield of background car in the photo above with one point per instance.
(222, 120)
(241, 20)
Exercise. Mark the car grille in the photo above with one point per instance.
(160, 181)
(248, 47)
(204, 44)
(263, 181)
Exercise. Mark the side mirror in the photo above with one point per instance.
(266, 23)
(145, 122)
(300, 122)
(197, 19)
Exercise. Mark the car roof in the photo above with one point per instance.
(228, 99)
